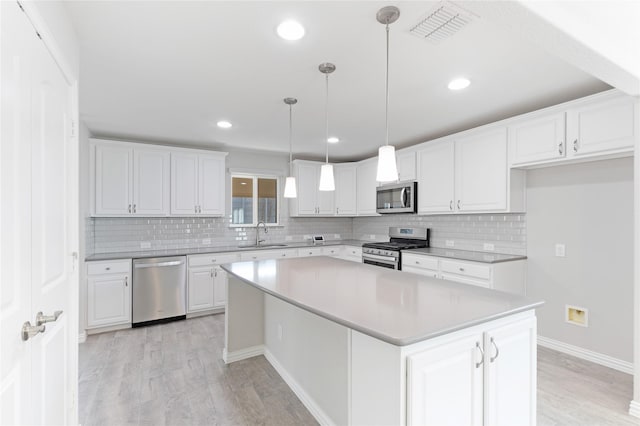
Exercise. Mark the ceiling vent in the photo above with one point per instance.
(445, 20)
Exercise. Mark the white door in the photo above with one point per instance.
(510, 374)
(151, 170)
(200, 288)
(538, 139)
(307, 189)
(109, 299)
(366, 188)
(38, 377)
(436, 178)
(184, 184)
(219, 287)
(445, 384)
(481, 171)
(113, 180)
(211, 182)
(345, 190)
(406, 165)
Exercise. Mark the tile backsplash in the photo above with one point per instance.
(507, 232)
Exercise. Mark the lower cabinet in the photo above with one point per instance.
(484, 378)
(108, 293)
(207, 281)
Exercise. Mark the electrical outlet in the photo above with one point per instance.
(336, 236)
(145, 245)
(206, 241)
(560, 250)
(372, 236)
(288, 238)
(576, 315)
(489, 247)
(280, 332)
(306, 237)
(449, 243)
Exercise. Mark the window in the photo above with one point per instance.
(254, 199)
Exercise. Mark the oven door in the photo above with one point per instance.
(390, 262)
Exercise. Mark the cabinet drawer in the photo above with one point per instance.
(419, 261)
(108, 267)
(213, 259)
(333, 250)
(467, 269)
(280, 254)
(353, 251)
(313, 251)
(257, 255)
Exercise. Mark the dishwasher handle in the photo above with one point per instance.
(154, 265)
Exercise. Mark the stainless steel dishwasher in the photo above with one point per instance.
(159, 290)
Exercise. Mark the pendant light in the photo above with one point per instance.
(327, 182)
(387, 167)
(290, 183)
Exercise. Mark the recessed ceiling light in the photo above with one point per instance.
(290, 30)
(333, 139)
(459, 84)
(224, 124)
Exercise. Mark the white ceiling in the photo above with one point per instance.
(168, 71)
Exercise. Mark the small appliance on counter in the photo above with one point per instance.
(388, 254)
(318, 240)
(397, 198)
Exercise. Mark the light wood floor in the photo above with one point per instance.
(173, 374)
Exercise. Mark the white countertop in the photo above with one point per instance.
(394, 306)
(473, 256)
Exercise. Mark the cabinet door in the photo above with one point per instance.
(219, 287)
(200, 293)
(211, 185)
(538, 139)
(601, 127)
(307, 188)
(366, 188)
(109, 300)
(184, 183)
(481, 172)
(345, 190)
(151, 182)
(445, 384)
(406, 165)
(113, 170)
(436, 178)
(326, 199)
(510, 374)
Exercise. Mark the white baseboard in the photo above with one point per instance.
(302, 395)
(578, 352)
(82, 337)
(634, 408)
(250, 352)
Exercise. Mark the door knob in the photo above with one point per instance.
(28, 330)
(42, 319)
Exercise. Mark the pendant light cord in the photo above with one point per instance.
(386, 112)
(326, 121)
(290, 144)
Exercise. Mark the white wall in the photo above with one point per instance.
(588, 207)
(83, 213)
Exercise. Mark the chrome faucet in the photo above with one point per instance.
(258, 240)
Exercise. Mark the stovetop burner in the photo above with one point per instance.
(396, 245)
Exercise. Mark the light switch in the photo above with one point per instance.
(560, 250)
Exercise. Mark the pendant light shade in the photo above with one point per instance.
(327, 182)
(387, 166)
(290, 190)
(326, 178)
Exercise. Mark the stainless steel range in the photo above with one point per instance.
(388, 255)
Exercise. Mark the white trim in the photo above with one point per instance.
(302, 395)
(250, 352)
(578, 352)
(254, 172)
(634, 408)
(82, 337)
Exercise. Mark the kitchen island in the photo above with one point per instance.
(365, 345)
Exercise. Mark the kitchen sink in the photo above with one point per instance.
(263, 246)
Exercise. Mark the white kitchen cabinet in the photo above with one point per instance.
(333, 251)
(197, 183)
(420, 264)
(310, 251)
(481, 171)
(406, 161)
(346, 187)
(486, 377)
(220, 281)
(538, 139)
(352, 253)
(311, 201)
(108, 293)
(366, 187)
(200, 293)
(130, 179)
(601, 127)
(436, 177)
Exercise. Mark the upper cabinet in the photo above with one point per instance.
(406, 161)
(311, 201)
(366, 187)
(345, 176)
(197, 184)
(603, 125)
(436, 178)
(130, 181)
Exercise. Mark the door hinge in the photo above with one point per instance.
(74, 261)
(73, 128)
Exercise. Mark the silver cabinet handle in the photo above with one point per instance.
(28, 331)
(42, 319)
(129, 208)
(211, 273)
(478, 364)
(213, 261)
(461, 269)
(154, 265)
(108, 268)
(134, 208)
(458, 204)
(493, 358)
(451, 205)
(417, 262)
(575, 145)
(199, 209)
(195, 209)
(560, 148)
(126, 281)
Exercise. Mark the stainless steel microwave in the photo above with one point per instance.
(397, 198)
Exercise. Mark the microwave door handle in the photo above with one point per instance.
(403, 196)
